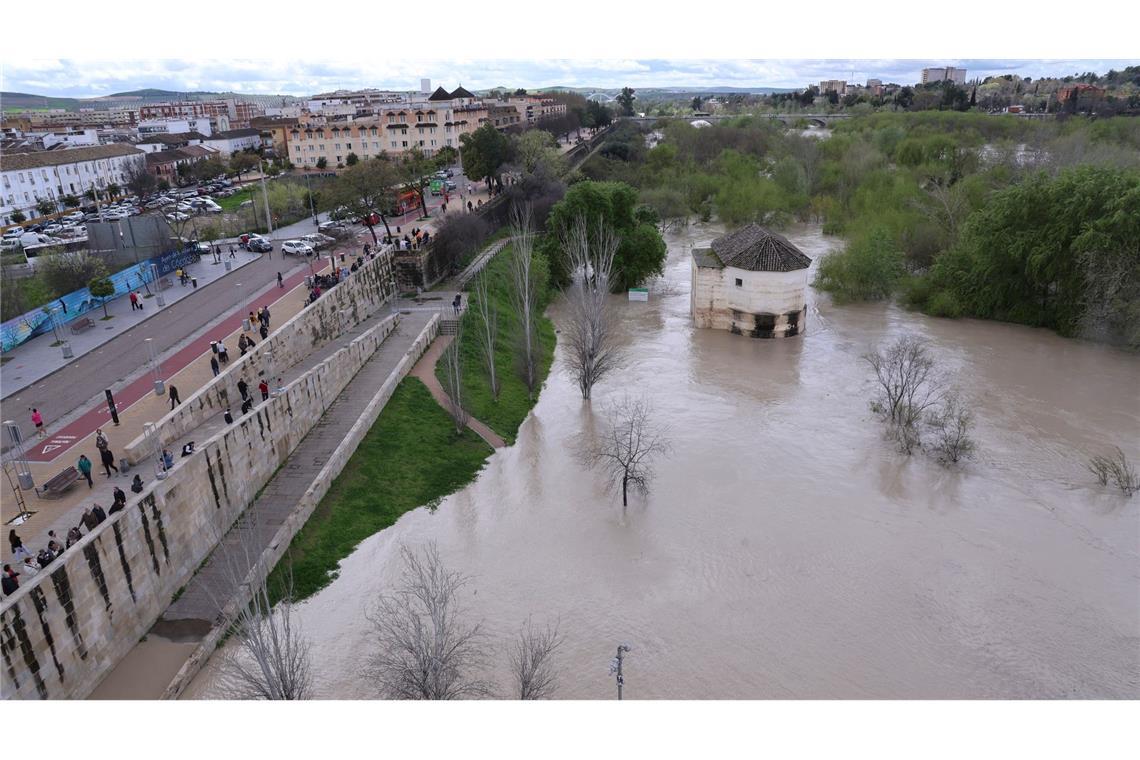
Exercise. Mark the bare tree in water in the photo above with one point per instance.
(908, 388)
(952, 425)
(488, 329)
(626, 450)
(524, 293)
(425, 650)
(272, 658)
(532, 661)
(453, 375)
(589, 332)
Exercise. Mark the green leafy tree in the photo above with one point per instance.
(696, 104)
(65, 271)
(366, 189)
(351, 159)
(415, 170)
(163, 185)
(102, 287)
(241, 163)
(139, 181)
(484, 153)
(537, 151)
(322, 163)
(869, 269)
(45, 206)
(113, 190)
(625, 100)
(445, 157)
(641, 253)
(18, 217)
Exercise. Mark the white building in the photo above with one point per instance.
(944, 74)
(66, 138)
(750, 282)
(28, 178)
(234, 141)
(202, 125)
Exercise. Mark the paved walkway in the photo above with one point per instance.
(213, 585)
(425, 371)
(35, 359)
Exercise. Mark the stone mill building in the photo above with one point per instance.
(751, 282)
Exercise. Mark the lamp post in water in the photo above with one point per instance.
(615, 666)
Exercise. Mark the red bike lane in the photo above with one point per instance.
(62, 440)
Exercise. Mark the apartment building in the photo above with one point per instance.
(86, 117)
(239, 112)
(533, 108)
(944, 74)
(838, 86)
(203, 125)
(28, 178)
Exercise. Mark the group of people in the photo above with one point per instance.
(410, 241)
(31, 564)
(183, 274)
(247, 401)
(136, 301)
(321, 283)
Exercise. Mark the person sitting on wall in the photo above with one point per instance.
(188, 449)
(167, 459)
(137, 484)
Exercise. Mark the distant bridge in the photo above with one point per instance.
(787, 119)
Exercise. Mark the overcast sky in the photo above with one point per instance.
(74, 78)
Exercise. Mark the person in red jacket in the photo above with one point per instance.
(264, 388)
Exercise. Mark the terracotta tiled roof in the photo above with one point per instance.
(758, 250)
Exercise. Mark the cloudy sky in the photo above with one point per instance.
(74, 78)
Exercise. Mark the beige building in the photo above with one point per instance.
(944, 74)
(833, 85)
(750, 282)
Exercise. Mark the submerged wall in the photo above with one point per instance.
(66, 627)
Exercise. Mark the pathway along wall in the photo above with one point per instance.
(68, 626)
(364, 292)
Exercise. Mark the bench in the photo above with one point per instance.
(61, 482)
(81, 325)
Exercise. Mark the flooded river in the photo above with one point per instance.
(786, 550)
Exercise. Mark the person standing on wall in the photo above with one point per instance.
(174, 399)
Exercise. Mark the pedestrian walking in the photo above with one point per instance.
(84, 467)
(88, 520)
(100, 515)
(214, 365)
(264, 388)
(223, 354)
(265, 315)
(138, 300)
(457, 301)
(119, 496)
(10, 581)
(174, 399)
(108, 460)
(232, 254)
(243, 343)
(134, 300)
(38, 421)
(243, 388)
(253, 319)
(18, 549)
(264, 331)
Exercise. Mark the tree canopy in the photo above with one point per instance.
(641, 253)
(484, 152)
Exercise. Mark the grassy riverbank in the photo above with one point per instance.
(409, 458)
(505, 414)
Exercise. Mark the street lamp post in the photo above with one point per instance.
(157, 293)
(155, 368)
(23, 471)
(615, 666)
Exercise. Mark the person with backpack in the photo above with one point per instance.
(84, 467)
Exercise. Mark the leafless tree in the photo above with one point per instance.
(532, 661)
(488, 329)
(271, 660)
(1117, 470)
(426, 651)
(524, 294)
(908, 388)
(952, 425)
(625, 451)
(453, 368)
(589, 332)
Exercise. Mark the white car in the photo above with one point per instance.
(177, 216)
(296, 246)
(53, 229)
(74, 216)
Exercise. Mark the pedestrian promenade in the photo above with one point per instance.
(37, 358)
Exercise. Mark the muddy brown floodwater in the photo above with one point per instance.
(787, 550)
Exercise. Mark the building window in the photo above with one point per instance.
(405, 143)
(739, 283)
(394, 144)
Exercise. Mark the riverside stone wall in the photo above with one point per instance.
(364, 292)
(68, 626)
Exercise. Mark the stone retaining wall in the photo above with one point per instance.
(309, 501)
(364, 292)
(68, 626)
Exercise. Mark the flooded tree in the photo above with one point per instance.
(524, 293)
(1117, 470)
(627, 449)
(952, 425)
(532, 661)
(908, 388)
(425, 650)
(589, 333)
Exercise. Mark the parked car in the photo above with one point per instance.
(296, 246)
(260, 245)
(334, 229)
(177, 216)
(14, 233)
(74, 216)
(53, 229)
(317, 241)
